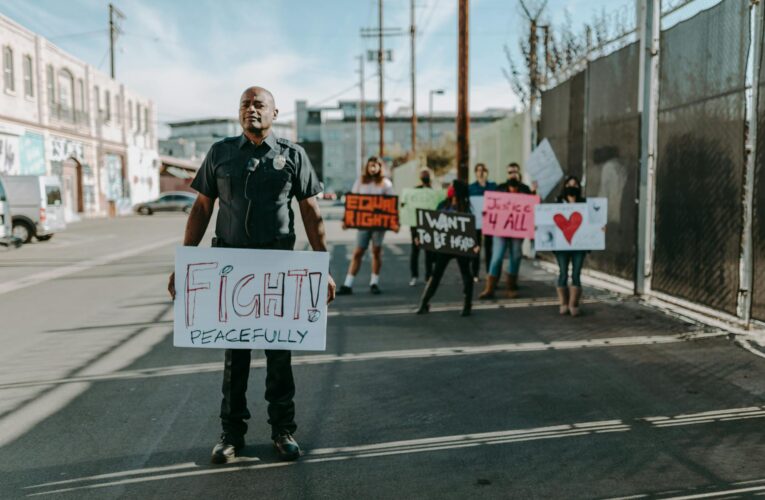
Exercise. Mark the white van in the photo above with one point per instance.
(5, 215)
(37, 207)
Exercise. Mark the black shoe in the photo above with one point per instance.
(424, 309)
(286, 447)
(375, 289)
(226, 449)
(344, 290)
(466, 308)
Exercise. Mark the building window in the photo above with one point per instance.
(137, 117)
(8, 75)
(51, 86)
(66, 94)
(80, 95)
(117, 110)
(29, 89)
(97, 97)
(146, 120)
(108, 104)
(130, 115)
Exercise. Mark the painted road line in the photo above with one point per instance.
(83, 265)
(94, 375)
(373, 450)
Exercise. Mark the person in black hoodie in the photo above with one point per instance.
(568, 296)
(457, 200)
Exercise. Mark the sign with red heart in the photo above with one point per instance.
(571, 226)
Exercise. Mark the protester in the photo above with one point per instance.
(257, 174)
(500, 244)
(373, 181)
(457, 200)
(414, 258)
(478, 188)
(569, 296)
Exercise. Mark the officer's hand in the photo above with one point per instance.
(171, 285)
(330, 289)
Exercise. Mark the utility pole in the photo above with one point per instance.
(362, 113)
(114, 31)
(412, 36)
(463, 117)
(533, 67)
(381, 103)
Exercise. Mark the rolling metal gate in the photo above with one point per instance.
(613, 155)
(700, 165)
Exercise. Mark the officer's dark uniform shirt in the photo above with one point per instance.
(283, 171)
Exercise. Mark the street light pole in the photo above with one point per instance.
(430, 115)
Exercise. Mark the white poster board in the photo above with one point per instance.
(571, 226)
(543, 167)
(476, 207)
(230, 298)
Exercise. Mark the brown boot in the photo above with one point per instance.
(512, 286)
(562, 299)
(575, 293)
(491, 285)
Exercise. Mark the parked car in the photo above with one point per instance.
(172, 201)
(6, 226)
(38, 211)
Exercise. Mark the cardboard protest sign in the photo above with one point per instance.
(447, 232)
(544, 168)
(250, 299)
(414, 198)
(371, 211)
(510, 215)
(476, 206)
(571, 226)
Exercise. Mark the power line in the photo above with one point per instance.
(80, 34)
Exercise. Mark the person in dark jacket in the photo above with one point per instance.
(500, 244)
(478, 188)
(569, 296)
(457, 200)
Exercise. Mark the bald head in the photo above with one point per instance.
(257, 111)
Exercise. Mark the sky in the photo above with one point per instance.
(194, 58)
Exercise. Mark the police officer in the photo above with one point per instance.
(254, 177)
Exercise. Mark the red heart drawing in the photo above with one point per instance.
(568, 226)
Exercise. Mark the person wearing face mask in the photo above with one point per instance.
(414, 258)
(500, 245)
(372, 181)
(569, 296)
(457, 200)
(478, 188)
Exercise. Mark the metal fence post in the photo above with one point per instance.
(744, 304)
(648, 105)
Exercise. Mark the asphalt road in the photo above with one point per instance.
(513, 402)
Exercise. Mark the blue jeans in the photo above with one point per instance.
(576, 258)
(498, 247)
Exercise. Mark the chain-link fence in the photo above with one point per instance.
(700, 158)
(562, 124)
(699, 175)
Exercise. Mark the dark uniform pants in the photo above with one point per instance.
(280, 385)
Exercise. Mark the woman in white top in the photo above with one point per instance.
(372, 181)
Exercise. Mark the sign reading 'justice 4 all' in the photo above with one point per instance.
(510, 215)
(250, 299)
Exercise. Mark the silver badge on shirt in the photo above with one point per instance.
(279, 162)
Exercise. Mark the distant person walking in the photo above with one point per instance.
(457, 200)
(478, 188)
(414, 257)
(500, 244)
(373, 181)
(568, 296)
